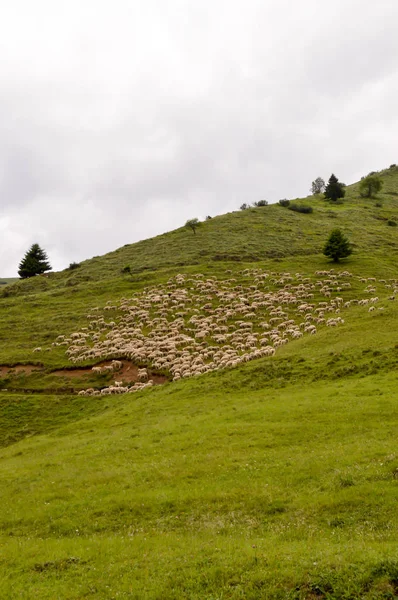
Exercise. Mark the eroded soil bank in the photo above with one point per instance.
(73, 379)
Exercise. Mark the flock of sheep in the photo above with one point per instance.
(194, 324)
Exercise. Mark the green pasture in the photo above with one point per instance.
(204, 490)
(277, 479)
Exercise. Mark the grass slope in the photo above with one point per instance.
(275, 479)
(256, 234)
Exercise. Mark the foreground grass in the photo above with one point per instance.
(190, 491)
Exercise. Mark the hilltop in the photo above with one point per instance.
(253, 235)
(262, 461)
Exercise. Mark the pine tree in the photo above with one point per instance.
(337, 246)
(35, 262)
(334, 189)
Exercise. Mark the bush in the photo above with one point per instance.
(126, 270)
(301, 209)
(260, 203)
(391, 223)
(208, 218)
(244, 206)
(285, 202)
(73, 265)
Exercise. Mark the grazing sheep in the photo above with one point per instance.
(195, 324)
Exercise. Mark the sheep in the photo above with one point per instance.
(174, 326)
(142, 374)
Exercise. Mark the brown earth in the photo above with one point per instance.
(128, 373)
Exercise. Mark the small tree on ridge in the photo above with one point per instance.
(193, 224)
(318, 186)
(334, 189)
(370, 185)
(35, 262)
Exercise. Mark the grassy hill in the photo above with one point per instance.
(274, 478)
(7, 280)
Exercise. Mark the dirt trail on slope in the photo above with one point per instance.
(127, 374)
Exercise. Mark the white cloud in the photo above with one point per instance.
(120, 120)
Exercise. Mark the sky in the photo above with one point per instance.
(121, 119)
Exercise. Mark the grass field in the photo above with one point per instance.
(275, 479)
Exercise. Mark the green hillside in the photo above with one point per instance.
(7, 280)
(260, 461)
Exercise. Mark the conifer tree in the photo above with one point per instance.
(35, 262)
(337, 246)
(334, 189)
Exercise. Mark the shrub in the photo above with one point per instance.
(244, 206)
(284, 202)
(391, 223)
(126, 270)
(208, 218)
(260, 203)
(301, 209)
(73, 265)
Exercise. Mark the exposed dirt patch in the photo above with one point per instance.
(128, 373)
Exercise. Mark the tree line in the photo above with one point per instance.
(35, 261)
(369, 186)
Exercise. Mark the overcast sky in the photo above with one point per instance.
(121, 119)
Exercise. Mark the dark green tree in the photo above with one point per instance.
(337, 246)
(334, 189)
(370, 185)
(35, 262)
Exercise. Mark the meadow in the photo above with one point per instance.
(276, 478)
